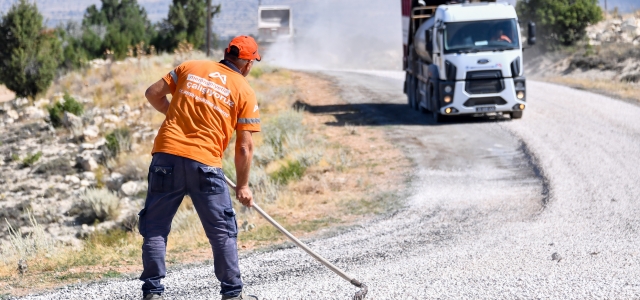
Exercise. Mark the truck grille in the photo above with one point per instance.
(484, 82)
(485, 101)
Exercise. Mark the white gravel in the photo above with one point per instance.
(490, 203)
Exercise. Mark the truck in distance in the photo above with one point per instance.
(275, 23)
(464, 58)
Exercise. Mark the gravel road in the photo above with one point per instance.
(542, 207)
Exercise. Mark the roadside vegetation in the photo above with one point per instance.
(33, 55)
(308, 175)
(606, 60)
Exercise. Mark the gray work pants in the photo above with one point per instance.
(170, 179)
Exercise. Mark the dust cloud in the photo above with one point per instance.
(332, 34)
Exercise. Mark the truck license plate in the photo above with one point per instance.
(485, 108)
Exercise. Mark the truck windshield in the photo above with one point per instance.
(489, 35)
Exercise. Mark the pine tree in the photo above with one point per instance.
(30, 53)
(186, 21)
(118, 24)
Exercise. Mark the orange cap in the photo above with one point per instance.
(247, 46)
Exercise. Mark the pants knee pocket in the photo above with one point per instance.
(232, 225)
(142, 228)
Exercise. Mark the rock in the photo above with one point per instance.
(85, 231)
(84, 183)
(89, 176)
(41, 103)
(556, 257)
(32, 112)
(112, 118)
(149, 136)
(100, 142)
(87, 146)
(72, 121)
(114, 182)
(108, 126)
(132, 188)
(71, 179)
(97, 120)
(106, 225)
(61, 187)
(21, 102)
(22, 266)
(12, 114)
(123, 109)
(88, 160)
(91, 132)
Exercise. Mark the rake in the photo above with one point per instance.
(363, 288)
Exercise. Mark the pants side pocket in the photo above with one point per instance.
(232, 225)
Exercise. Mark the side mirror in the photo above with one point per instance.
(531, 40)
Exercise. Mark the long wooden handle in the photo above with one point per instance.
(299, 243)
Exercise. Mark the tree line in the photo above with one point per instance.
(31, 54)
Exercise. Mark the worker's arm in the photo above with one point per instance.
(244, 155)
(156, 94)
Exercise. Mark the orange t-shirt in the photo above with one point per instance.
(210, 101)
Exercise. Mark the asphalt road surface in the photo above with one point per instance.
(542, 207)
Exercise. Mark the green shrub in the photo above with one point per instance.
(118, 141)
(56, 111)
(31, 159)
(293, 170)
(96, 205)
(560, 22)
(57, 166)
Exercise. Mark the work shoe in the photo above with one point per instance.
(242, 296)
(152, 297)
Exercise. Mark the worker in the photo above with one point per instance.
(209, 101)
(500, 35)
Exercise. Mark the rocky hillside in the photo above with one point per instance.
(47, 171)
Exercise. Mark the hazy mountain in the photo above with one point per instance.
(56, 11)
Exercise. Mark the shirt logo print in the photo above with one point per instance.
(161, 169)
(255, 108)
(222, 78)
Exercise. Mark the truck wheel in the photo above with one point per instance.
(418, 98)
(516, 114)
(411, 92)
(437, 117)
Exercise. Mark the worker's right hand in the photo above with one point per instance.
(244, 195)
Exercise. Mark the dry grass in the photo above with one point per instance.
(624, 90)
(341, 180)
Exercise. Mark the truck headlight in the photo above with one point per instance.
(448, 89)
(520, 95)
(447, 99)
(519, 85)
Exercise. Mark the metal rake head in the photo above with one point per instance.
(362, 293)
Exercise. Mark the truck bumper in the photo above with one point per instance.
(505, 101)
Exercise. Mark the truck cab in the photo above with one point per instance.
(275, 23)
(465, 59)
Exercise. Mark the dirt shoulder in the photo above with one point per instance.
(349, 183)
(610, 70)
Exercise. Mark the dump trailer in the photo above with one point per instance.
(464, 58)
(275, 23)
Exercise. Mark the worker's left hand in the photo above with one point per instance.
(244, 195)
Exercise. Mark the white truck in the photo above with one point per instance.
(464, 58)
(275, 23)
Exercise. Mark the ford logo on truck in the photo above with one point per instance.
(483, 61)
